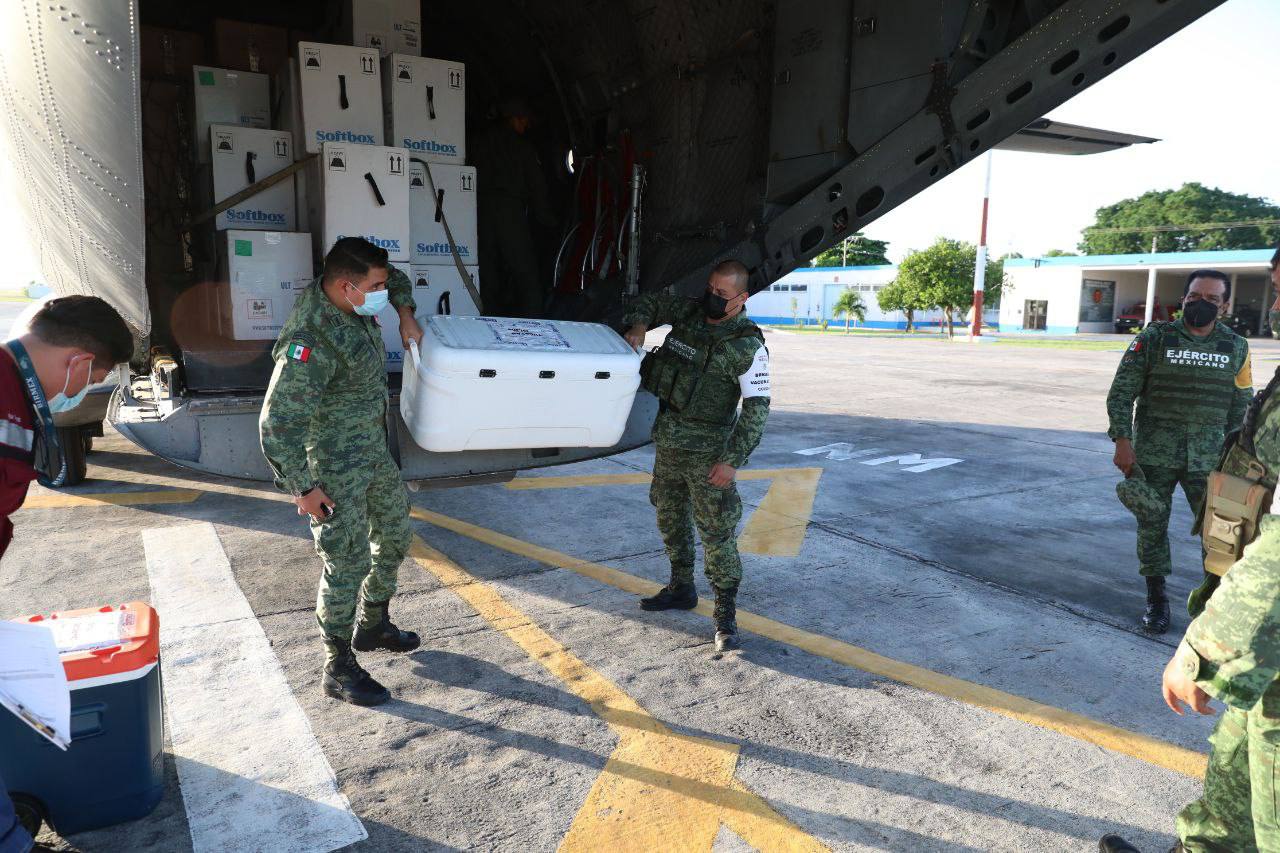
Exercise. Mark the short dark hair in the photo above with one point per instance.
(1220, 276)
(737, 269)
(87, 323)
(353, 256)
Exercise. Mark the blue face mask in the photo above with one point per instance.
(374, 301)
(60, 402)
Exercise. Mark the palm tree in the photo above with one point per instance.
(850, 304)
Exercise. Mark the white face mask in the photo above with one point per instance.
(60, 402)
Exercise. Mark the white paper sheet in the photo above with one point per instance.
(33, 684)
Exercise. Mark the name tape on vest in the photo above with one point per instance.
(1217, 360)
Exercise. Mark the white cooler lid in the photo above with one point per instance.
(519, 335)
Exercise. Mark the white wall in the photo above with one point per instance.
(1057, 285)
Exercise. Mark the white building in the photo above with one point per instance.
(807, 296)
(1107, 293)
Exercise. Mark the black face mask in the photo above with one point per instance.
(1199, 313)
(714, 306)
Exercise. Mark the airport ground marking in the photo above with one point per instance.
(659, 789)
(1113, 738)
(249, 766)
(776, 529)
(843, 451)
(57, 500)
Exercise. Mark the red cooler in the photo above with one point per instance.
(114, 770)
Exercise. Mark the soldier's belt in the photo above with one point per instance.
(1233, 507)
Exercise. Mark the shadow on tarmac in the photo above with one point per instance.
(450, 669)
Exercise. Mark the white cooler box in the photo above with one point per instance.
(491, 383)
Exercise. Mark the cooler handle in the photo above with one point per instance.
(415, 355)
(442, 304)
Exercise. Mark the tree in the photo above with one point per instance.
(854, 251)
(941, 276)
(1059, 253)
(795, 311)
(1193, 204)
(896, 296)
(850, 304)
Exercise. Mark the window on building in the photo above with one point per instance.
(800, 287)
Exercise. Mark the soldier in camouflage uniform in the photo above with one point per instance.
(1231, 652)
(712, 357)
(1191, 380)
(324, 432)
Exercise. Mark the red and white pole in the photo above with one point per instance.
(980, 268)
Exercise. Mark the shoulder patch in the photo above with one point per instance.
(298, 351)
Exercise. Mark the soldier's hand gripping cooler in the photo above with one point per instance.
(1191, 382)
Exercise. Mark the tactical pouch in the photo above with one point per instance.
(1233, 506)
(670, 377)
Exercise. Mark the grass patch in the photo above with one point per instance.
(1112, 346)
(838, 331)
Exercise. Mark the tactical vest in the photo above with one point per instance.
(1190, 381)
(1239, 492)
(674, 372)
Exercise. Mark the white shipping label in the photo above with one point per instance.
(538, 334)
(755, 382)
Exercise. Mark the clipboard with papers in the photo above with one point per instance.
(33, 682)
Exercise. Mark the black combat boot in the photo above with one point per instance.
(726, 616)
(1156, 618)
(382, 634)
(673, 596)
(344, 679)
(1115, 844)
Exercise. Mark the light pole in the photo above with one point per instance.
(980, 267)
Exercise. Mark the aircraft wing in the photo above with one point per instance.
(1046, 136)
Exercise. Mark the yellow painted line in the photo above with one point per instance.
(776, 529)
(659, 790)
(55, 500)
(1113, 738)
(778, 526)
(525, 483)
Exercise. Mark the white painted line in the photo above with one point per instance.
(253, 776)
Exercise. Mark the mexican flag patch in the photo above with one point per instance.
(298, 352)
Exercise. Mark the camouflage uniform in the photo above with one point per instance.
(1233, 651)
(324, 424)
(1273, 318)
(689, 443)
(1189, 391)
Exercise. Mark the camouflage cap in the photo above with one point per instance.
(1139, 498)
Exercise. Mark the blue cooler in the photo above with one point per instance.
(114, 770)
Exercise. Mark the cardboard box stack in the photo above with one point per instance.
(383, 131)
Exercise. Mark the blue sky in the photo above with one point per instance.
(1208, 93)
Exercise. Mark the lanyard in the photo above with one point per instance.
(47, 450)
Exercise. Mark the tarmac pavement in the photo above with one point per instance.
(941, 647)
